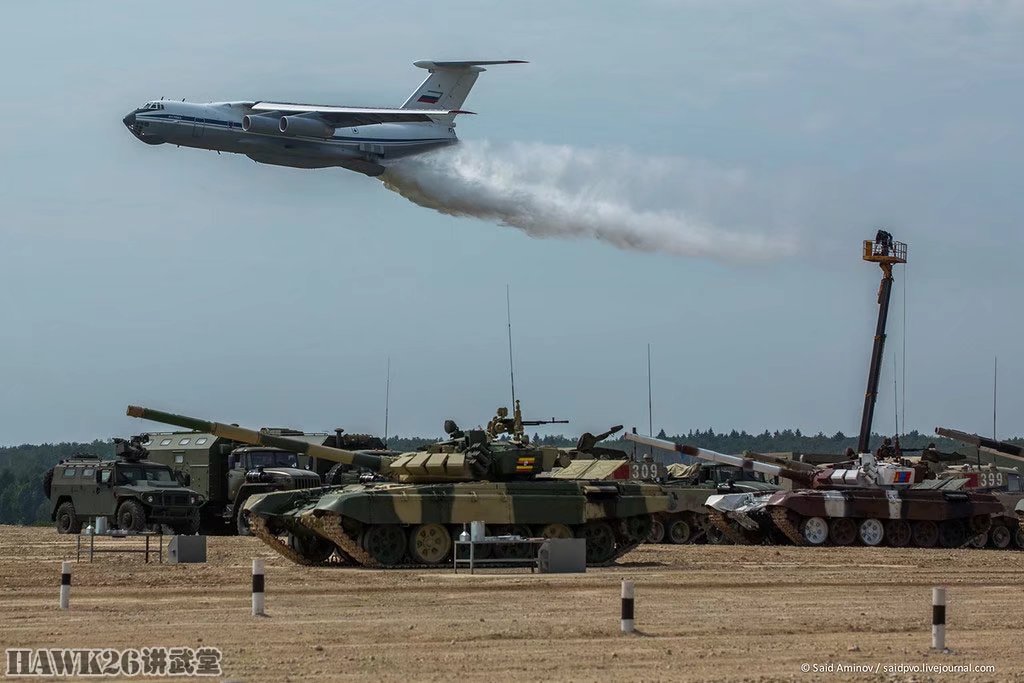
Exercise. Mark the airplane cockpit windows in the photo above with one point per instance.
(152, 105)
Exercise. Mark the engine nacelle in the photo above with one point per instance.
(261, 124)
(305, 126)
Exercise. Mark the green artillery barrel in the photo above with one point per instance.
(252, 437)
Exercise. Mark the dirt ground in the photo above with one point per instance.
(702, 612)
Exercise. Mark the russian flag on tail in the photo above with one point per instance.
(430, 97)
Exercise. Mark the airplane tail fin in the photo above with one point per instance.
(448, 84)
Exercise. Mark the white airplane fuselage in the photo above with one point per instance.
(218, 126)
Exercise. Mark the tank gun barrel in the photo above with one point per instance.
(260, 438)
(1012, 450)
(744, 462)
(552, 421)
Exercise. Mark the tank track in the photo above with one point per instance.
(723, 525)
(329, 527)
(784, 524)
(350, 550)
(258, 526)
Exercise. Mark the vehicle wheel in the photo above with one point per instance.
(555, 530)
(871, 532)
(842, 531)
(657, 534)
(716, 536)
(636, 528)
(600, 541)
(898, 533)
(512, 551)
(925, 533)
(242, 523)
(679, 531)
(952, 533)
(1018, 537)
(67, 521)
(979, 541)
(385, 543)
(190, 527)
(1000, 536)
(814, 530)
(429, 543)
(314, 548)
(131, 516)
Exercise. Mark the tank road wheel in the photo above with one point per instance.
(716, 536)
(679, 532)
(131, 516)
(429, 543)
(925, 533)
(600, 541)
(952, 533)
(555, 530)
(871, 532)
(657, 534)
(317, 550)
(385, 543)
(635, 528)
(842, 531)
(814, 530)
(1018, 537)
(67, 520)
(897, 533)
(979, 541)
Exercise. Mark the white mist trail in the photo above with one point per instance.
(666, 204)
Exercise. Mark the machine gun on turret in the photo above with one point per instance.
(132, 449)
(501, 423)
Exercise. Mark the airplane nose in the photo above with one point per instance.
(129, 120)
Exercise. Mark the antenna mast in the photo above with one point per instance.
(995, 384)
(387, 402)
(511, 369)
(650, 403)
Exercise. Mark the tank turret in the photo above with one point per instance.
(469, 455)
(866, 472)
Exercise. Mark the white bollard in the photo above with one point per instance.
(258, 587)
(65, 584)
(938, 618)
(627, 606)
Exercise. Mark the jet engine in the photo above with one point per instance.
(305, 126)
(260, 124)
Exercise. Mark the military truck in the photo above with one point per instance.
(227, 472)
(131, 492)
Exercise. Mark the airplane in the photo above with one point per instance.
(361, 139)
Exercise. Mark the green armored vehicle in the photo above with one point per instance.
(227, 472)
(415, 502)
(132, 493)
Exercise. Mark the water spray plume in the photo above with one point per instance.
(560, 191)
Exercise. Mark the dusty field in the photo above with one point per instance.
(735, 613)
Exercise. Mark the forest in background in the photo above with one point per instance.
(22, 467)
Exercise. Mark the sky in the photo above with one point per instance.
(788, 132)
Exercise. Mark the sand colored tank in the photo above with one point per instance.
(409, 506)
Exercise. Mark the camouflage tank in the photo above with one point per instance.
(992, 466)
(408, 507)
(691, 485)
(870, 500)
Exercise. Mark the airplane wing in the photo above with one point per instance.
(343, 117)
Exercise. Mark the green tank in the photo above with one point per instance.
(408, 507)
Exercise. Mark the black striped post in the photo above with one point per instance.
(258, 587)
(627, 606)
(938, 618)
(65, 584)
